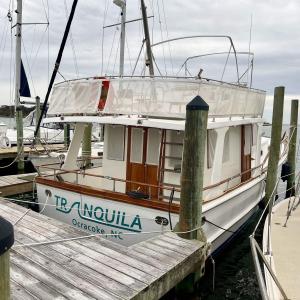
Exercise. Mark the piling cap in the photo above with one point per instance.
(6, 235)
(197, 104)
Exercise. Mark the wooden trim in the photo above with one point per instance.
(105, 194)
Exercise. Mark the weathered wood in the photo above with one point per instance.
(93, 268)
(290, 189)
(192, 169)
(16, 184)
(87, 144)
(12, 151)
(17, 292)
(275, 143)
(67, 135)
(4, 276)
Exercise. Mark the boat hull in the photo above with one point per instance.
(129, 224)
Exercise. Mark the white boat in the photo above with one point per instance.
(128, 197)
(135, 193)
(280, 277)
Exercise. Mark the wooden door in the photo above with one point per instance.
(246, 144)
(142, 165)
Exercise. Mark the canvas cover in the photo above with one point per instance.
(75, 97)
(169, 97)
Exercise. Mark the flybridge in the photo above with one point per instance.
(154, 97)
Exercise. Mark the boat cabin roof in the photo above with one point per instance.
(139, 121)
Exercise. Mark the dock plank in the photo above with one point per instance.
(92, 268)
(16, 184)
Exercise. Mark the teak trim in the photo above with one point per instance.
(105, 194)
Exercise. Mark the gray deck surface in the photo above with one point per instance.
(286, 246)
(92, 268)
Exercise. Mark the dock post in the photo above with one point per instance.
(192, 168)
(6, 241)
(290, 189)
(190, 216)
(275, 143)
(87, 145)
(67, 135)
(37, 116)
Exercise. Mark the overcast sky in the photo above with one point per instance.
(275, 41)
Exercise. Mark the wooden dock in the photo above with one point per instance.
(11, 152)
(93, 268)
(16, 184)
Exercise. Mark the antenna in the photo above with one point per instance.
(249, 48)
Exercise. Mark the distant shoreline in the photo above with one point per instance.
(9, 110)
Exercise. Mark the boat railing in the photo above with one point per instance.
(255, 172)
(260, 257)
(58, 172)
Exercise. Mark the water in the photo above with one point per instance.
(235, 276)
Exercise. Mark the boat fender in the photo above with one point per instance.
(285, 171)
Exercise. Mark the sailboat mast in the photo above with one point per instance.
(18, 110)
(122, 39)
(149, 60)
(122, 5)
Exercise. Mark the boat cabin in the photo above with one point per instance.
(144, 123)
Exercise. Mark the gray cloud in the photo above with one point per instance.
(275, 39)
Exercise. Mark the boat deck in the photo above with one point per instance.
(16, 184)
(286, 246)
(92, 268)
(12, 152)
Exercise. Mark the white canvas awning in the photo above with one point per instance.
(169, 97)
(75, 97)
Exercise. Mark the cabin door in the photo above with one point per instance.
(142, 160)
(246, 152)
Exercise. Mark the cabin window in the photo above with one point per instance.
(226, 150)
(115, 142)
(137, 143)
(154, 137)
(211, 147)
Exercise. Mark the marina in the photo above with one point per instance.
(155, 169)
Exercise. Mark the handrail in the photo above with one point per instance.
(207, 36)
(284, 141)
(227, 180)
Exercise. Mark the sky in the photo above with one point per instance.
(92, 50)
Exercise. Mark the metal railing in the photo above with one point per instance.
(57, 172)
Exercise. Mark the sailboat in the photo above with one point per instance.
(135, 194)
(19, 135)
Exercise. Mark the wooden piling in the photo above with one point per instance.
(66, 135)
(192, 168)
(19, 125)
(275, 143)
(290, 189)
(190, 216)
(87, 144)
(6, 241)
